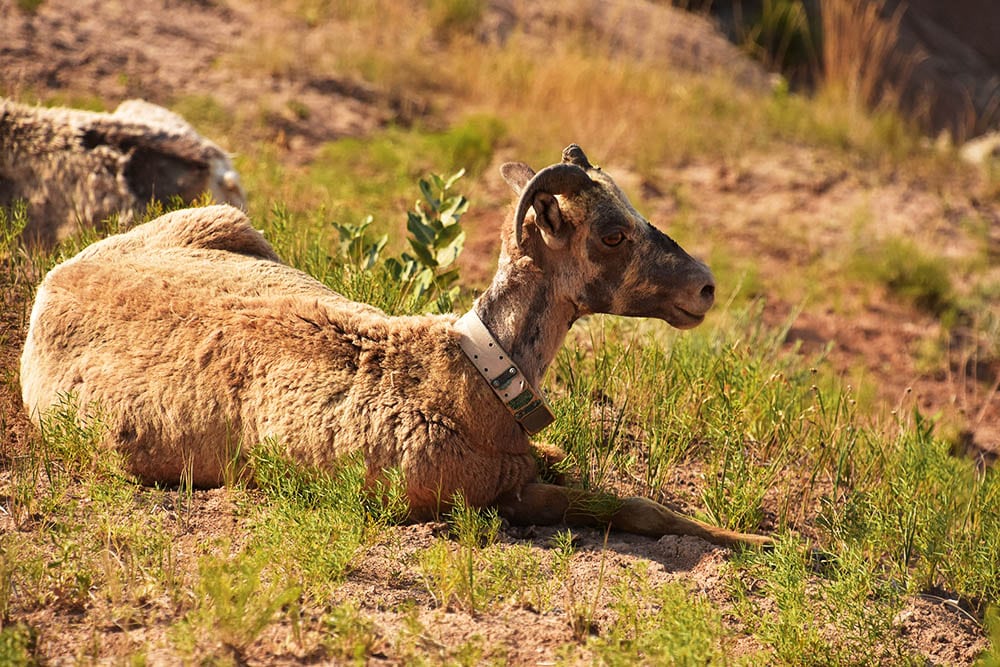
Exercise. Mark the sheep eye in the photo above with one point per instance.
(613, 239)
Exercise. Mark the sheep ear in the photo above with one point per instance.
(558, 179)
(548, 217)
(517, 175)
(549, 220)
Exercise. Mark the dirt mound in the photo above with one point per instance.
(163, 51)
(638, 30)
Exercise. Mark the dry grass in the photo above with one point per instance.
(563, 91)
(861, 54)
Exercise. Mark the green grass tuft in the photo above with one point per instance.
(235, 600)
(907, 271)
(17, 645)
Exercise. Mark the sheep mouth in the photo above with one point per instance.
(684, 319)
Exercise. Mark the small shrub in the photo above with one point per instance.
(907, 271)
(455, 17)
(17, 645)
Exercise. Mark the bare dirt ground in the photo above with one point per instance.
(163, 49)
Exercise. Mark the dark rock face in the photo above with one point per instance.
(954, 81)
(939, 62)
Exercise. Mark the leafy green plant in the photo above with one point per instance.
(436, 238)
(422, 279)
(356, 248)
(407, 283)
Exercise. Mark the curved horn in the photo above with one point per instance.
(573, 154)
(559, 179)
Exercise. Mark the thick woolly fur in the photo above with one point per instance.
(75, 167)
(196, 342)
(193, 342)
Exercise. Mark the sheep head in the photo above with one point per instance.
(603, 255)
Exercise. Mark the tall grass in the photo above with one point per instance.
(861, 58)
(785, 37)
(565, 90)
(774, 440)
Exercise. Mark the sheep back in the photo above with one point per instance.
(74, 167)
(195, 343)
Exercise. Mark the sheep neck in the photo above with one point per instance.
(527, 317)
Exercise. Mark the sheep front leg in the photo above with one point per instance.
(547, 504)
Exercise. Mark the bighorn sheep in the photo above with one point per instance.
(78, 167)
(194, 338)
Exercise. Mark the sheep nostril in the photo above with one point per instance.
(708, 292)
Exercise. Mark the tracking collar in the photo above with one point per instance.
(525, 402)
